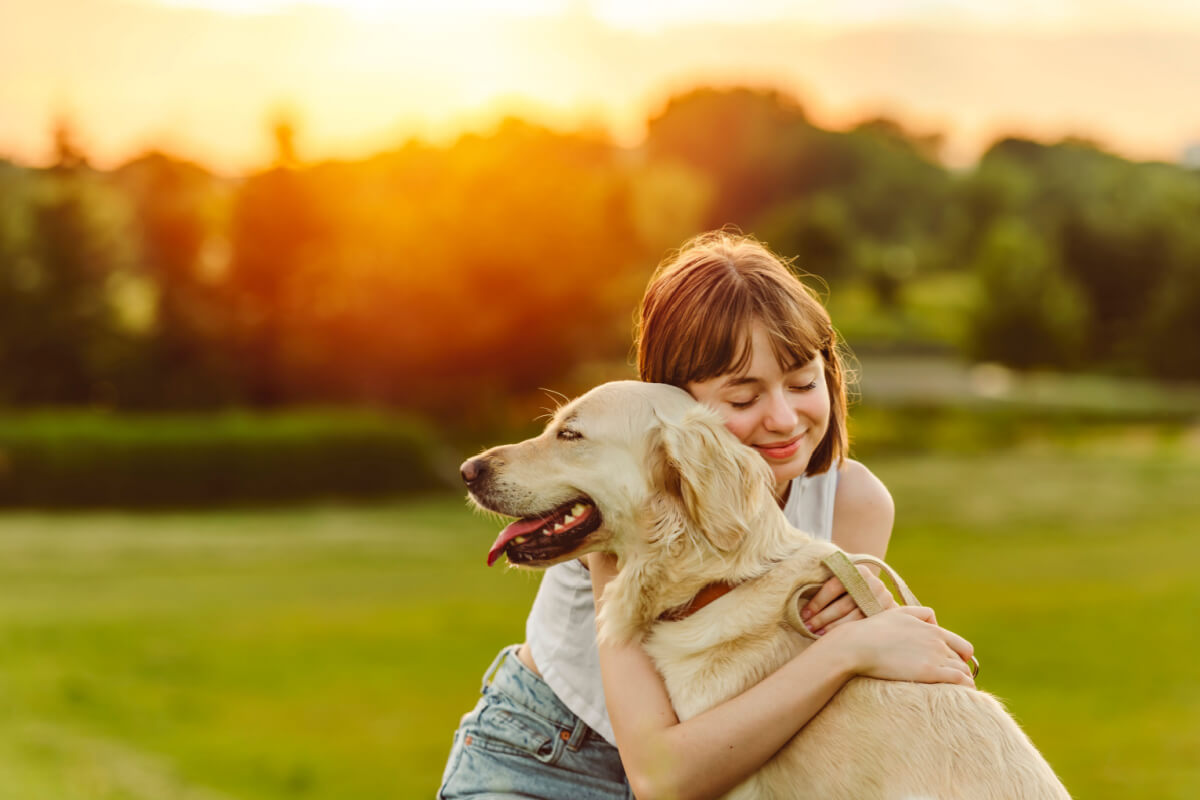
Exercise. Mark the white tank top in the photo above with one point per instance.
(561, 628)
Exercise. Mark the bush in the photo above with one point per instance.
(92, 459)
(991, 426)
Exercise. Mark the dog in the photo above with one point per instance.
(645, 472)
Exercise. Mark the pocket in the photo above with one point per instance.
(508, 728)
(496, 750)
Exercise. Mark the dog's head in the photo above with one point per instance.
(637, 469)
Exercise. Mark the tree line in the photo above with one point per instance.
(445, 278)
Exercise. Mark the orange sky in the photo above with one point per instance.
(201, 78)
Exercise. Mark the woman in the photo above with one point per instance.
(727, 321)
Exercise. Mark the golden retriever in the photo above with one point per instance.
(643, 471)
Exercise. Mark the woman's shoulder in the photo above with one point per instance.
(862, 496)
(856, 479)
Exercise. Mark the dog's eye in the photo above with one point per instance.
(568, 435)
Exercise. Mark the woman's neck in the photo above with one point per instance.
(781, 493)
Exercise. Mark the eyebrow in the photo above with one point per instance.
(748, 379)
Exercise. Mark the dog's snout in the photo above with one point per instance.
(472, 470)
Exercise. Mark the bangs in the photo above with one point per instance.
(795, 337)
(719, 341)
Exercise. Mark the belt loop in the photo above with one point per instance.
(578, 735)
(491, 671)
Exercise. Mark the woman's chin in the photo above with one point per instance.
(786, 473)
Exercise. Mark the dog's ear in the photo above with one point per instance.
(665, 522)
(714, 482)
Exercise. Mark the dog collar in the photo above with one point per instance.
(711, 592)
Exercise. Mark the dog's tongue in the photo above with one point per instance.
(513, 531)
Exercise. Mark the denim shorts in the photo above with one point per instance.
(521, 741)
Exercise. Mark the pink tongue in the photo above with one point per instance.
(514, 530)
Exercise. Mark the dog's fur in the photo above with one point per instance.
(683, 504)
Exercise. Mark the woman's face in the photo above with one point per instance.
(783, 414)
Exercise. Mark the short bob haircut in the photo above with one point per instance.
(698, 311)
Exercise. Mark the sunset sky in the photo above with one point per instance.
(202, 78)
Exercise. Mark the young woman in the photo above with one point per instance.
(727, 321)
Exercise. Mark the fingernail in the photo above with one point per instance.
(806, 613)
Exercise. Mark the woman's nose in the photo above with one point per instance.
(780, 416)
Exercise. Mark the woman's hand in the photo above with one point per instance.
(906, 644)
(831, 606)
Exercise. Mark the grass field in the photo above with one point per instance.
(327, 652)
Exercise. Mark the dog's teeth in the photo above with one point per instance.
(519, 540)
(568, 520)
(576, 510)
(558, 526)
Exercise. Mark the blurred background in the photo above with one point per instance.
(269, 271)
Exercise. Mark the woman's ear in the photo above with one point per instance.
(720, 484)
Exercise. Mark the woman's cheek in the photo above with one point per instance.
(737, 425)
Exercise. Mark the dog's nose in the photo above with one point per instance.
(472, 470)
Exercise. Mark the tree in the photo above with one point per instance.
(1027, 314)
(181, 211)
(757, 147)
(64, 337)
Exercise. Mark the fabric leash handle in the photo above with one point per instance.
(845, 569)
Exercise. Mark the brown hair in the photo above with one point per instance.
(698, 309)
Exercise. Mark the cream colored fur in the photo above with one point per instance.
(684, 505)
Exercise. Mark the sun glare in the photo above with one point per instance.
(381, 9)
(361, 75)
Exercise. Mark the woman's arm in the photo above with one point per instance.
(863, 511)
(708, 755)
(863, 514)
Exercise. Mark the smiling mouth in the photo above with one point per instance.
(780, 447)
(547, 537)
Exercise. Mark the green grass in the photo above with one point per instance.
(322, 652)
(327, 652)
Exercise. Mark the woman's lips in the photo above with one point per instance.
(780, 450)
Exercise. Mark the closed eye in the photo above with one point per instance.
(569, 435)
(806, 388)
